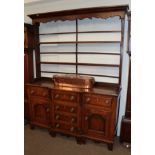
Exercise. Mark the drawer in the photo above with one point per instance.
(35, 100)
(65, 96)
(64, 108)
(39, 91)
(59, 117)
(98, 100)
(65, 127)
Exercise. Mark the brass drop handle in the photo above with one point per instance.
(32, 92)
(72, 110)
(57, 125)
(72, 129)
(86, 118)
(72, 98)
(73, 120)
(57, 96)
(57, 117)
(57, 107)
(47, 109)
(88, 99)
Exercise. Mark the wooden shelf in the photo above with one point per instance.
(79, 42)
(81, 74)
(110, 76)
(106, 53)
(76, 15)
(57, 33)
(57, 52)
(81, 64)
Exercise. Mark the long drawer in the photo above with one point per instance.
(38, 91)
(98, 100)
(65, 127)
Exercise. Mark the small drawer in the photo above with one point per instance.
(65, 96)
(64, 108)
(98, 100)
(39, 91)
(65, 127)
(65, 118)
(39, 101)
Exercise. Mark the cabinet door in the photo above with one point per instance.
(96, 123)
(40, 112)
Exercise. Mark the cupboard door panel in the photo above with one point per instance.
(96, 123)
(40, 112)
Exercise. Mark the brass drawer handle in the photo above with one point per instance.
(57, 117)
(47, 109)
(73, 120)
(86, 118)
(72, 98)
(72, 110)
(107, 101)
(57, 96)
(72, 129)
(88, 99)
(32, 92)
(57, 125)
(57, 107)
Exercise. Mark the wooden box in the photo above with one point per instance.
(73, 80)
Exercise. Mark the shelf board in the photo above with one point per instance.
(81, 64)
(57, 52)
(106, 53)
(110, 76)
(99, 75)
(57, 33)
(79, 42)
(56, 72)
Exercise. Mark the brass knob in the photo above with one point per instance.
(72, 129)
(72, 110)
(86, 118)
(48, 109)
(57, 96)
(32, 92)
(57, 117)
(73, 120)
(107, 101)
(72, 98)
(88, 99)
(57, 107)
(57, 125)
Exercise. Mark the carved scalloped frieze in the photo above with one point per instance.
(104, 15)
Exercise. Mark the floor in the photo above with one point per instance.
(39, 142)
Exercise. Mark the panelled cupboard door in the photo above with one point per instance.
(40, 112)
(96, 123)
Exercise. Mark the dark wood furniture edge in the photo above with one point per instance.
(99, 12)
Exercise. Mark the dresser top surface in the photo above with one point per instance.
(95, 90)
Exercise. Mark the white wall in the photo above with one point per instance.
(73, 4)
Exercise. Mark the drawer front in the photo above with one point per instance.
(59, 117)
(39, 91)
(35, 100)
(65, 127)
(65, 96)
(64, 108)
(98, 100)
